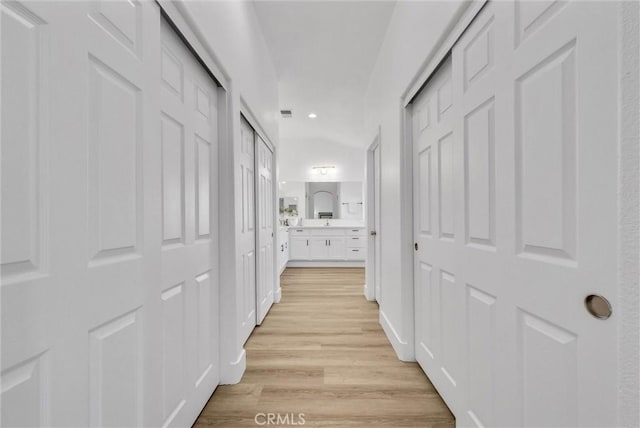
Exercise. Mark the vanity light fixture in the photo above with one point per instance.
(312, 115)
(323, 170)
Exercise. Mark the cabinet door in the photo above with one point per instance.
(337, 248)
(299, 248)
(319, 248)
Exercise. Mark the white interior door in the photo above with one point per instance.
(378, 236)
(33, 271)
(438, 331)
(96, 331)
(247, 245)
(79, 85)
(515, 214)
(266, 275)
(189, 306)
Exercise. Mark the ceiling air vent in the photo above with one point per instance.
(286, 114)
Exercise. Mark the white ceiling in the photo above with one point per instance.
(324, 52)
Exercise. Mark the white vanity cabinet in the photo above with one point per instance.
(283, 247)
(356, 244)
(327, 248)
(337, 248)
(327, 244)
(298, 244)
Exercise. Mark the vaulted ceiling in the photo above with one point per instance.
(324, 52)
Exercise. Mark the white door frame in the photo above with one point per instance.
(628, 147)
(371, 278)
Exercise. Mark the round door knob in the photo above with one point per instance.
(598, 306)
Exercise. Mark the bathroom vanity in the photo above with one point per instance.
(331, 231)
(326, 244)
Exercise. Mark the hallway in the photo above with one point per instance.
(322, 352)
(328, 213)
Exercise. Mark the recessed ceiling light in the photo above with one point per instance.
(312, 115)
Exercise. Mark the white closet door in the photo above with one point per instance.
(78, 98)
(121, 43)
(516, 221)
(266, 275)
(247, 245)
(378, 236)
(92, 336)
(438, 311)
(188, 291)
(32, 285)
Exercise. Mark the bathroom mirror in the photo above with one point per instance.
(322, 200)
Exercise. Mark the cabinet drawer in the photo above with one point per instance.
(356, 253)
(299, 232)
(356, 232)
(327, 232)
(356, 241)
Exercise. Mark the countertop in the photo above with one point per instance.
(325, 227)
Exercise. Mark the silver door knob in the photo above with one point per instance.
(373, 233)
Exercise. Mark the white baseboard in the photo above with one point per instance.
(309, 263)
(277, 296)
(402, 348)
(232, 373)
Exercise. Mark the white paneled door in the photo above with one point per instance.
(188, 288)
(266, 277)
(109, 218)
(515, 217)
(377, 237)
(247, 242)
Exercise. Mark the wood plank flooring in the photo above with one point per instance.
(322, 352)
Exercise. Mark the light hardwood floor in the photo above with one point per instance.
(322, 352)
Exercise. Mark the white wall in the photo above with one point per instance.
(351, 194)
(231, 33)
(297, 157)
(232, 30)
(413, 33)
